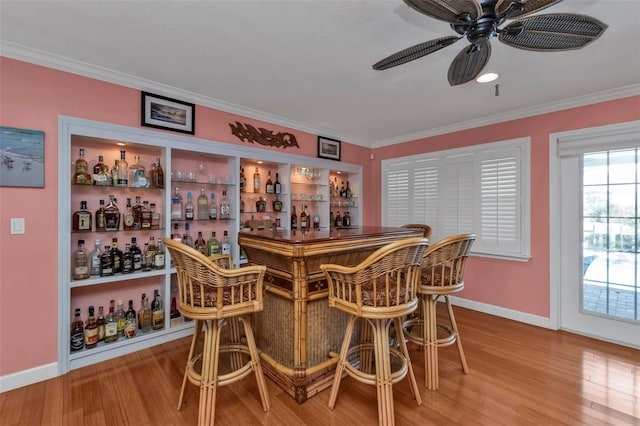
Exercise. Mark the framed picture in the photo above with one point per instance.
(22, 155)
(328, 148)
(166, 113)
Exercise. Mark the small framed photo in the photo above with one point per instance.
(328, 148)
(22, 157)
(166, 113)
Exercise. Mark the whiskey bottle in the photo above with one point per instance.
(91, 330)
(112, 215)
(294, 218)
(82, 220)
(128, 220)
(130, 325)
(225, 207)
(303, 218)
(213, 207)
(137, 213)
(150, 254)
(276, 205)
(157, 311)
(143, 258)
(144, 315)
(225, 247)
(346, 219)
(203, 206)
(101, 322)
(116, 255)
(343, 192)
(336, 191)
(176, 318)
(243, 181)
(123, 170)
(347, 192)
(111, 325)
(200, 244)
(121, 318)
(189, 209)
(213, 245)
(338, 220)
(155, 217)
(77, 332)
(176, 235)
(186, 236)
(81, 175)
(136, 254)
(101, 173)
(269, 189)
(101, 223)
(158, 257)
(81, 266)
(106, 262)
(256, 181)
(94, 259)
(127, 260)
(158, 176)
(261, 205)
(137, 177)
(277, 186)
(176, 205)
(146, 215)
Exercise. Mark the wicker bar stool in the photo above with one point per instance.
(426, 229)
(442, 274)
(379, 291)
(215, 296)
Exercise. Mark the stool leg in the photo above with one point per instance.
(255, 362)
(342, 360)
(209, 381)
(403, 348)
(383, 371)
(194, 341)
(430, 338)
(454, 326)
(235, 337)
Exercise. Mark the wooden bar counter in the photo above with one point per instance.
(297, 329)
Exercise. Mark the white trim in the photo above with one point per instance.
(28, 377)
(503, 312)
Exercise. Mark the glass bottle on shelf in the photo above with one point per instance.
(101, 224)
(200, 244)
(123, 170)
(136, 253)
(94, 259)
(213, 245)
(261, 205)
(269, 189)
(346, 219)
(143, 258)
(101, 324)
(158, 257)
(241, 205)
(336, 190)
(146, 216)
(294, 218)
(155, 217)
(189, 208)
(128, 219)
(338, 220)
(256, 181)
(157, 180)
(114, 173)
(81, 175)
(303, 218)
(225, 207)
(77, 332)
(101, 173)
(225, 247)
(186, 236)
(81, 266)
(277, 186)
(276, 205)
(150, 254)
(203, 206)
(112, 215)
(91, 330)
(213, 207)
(130, 325)
(111, 325)
(106, 262)
(116, 255)
(121, 318)
(331, 223)
(176, 235)
(343, 191)
(157, 311)
(176, 205)
(316, 220)
(137, 177)
(243, 181)
(347, 192)
(82, 220)
(176, 317)
(137, 213)
(127, 260)
(144, 315)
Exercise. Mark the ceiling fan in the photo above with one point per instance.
(480, 20)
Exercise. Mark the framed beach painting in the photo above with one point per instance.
(22, 157)
(166, 113)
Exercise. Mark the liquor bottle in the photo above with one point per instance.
(176, 205)
(225, 247)
(130, 324)
(116, 255)
(332, 187)
(106, 262)
(213, 207)
(121, 318)
(111, 215)
(225, 207)
(81, 266)
(200, 244)
(82, 220)
(158, 176)
(114, 173)
(101, 222)
(241, 205)
(150, 254)
(146, 215)
(176, 318)
(127, 260)
(158, 257)
(91, 330)
(186, 236)
(256, 181)
(101, 173)
(261, 205)
(278, 186)
(346, 219)
(155, 217)
(343, 192)
(331, 220)
(269, 189)
(111, 325)
(316, 220)
(189, 208)
(94, 259)
(243, 181)
(303, 218)
(81, 175)
(137, 213)
(143, 258)
(102, 322)
(137, 177)
(77, 332)
(294, 218)
(347, 192)
(213, 245)
(176, 235)
(338, 220)
(144, 315)
(157, 311)
(128, 219)
(123, 170)
(203, 206)
(136, 254)
(336, 191)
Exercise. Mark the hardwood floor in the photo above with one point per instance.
(520, 375)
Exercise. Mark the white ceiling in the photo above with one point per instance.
(306, 64)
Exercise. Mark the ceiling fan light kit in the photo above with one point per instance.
(480, 20)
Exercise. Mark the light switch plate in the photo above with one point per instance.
(17, 225)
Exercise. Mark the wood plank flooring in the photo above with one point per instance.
(520, 375)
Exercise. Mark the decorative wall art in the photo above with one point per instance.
(248, 133)
(166, 113)
(328, 148)
(22, 154)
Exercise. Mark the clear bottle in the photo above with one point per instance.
(158, 176)
(146, 216)
(128, 219)
(114, 173)
(200, 244)
(101, 173)
(111, 325)
(189, 208)
(294, 218)
(137, 176)
(143, 259)
(101, 223)
(158, 257)
(175, 316)
(336, 190)
(123, 170)
(213, 207)
(81, 175)
(157, 311)
(127, 260)
(81, 219)
(278, 186)
(213, 245)
(256, 181)
(136, 254)
(77, 332)
(155, 217)
(186, 236)
(203, 206)
(225, 247)
(106, 262)
(225, 207)
(112, 215)
(316, 220)
(91, 330)
(116, 255)
(269, 189)
(121, 318)
(81, 266)
(131, 324)
(144, 315)
(94, 259)
(176, 205)
(101, 321)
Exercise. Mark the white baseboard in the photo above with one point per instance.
(504, 312)
(28, 377)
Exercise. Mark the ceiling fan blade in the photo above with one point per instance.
(414, 52)
(447, 10)
(528, 7)
(469, 63)
(552, 32)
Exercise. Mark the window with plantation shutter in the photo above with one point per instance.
(482, 189)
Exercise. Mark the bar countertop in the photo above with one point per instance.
(297, 236)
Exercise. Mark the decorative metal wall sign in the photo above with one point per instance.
(248, 133)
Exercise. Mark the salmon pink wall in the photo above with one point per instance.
(520, 286)
(33, 97)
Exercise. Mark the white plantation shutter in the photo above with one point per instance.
(481, 189)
